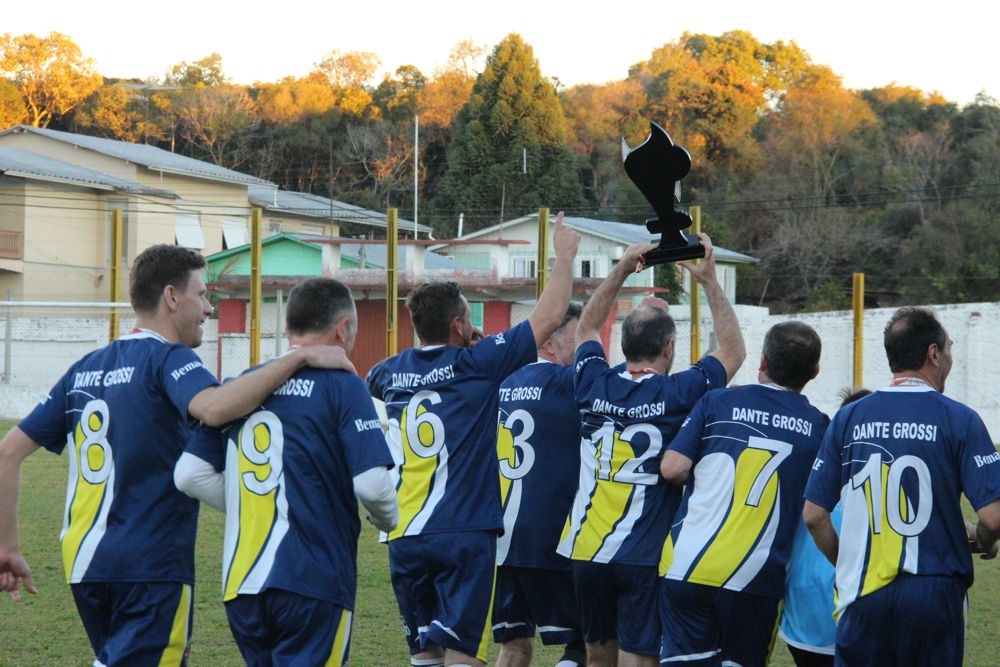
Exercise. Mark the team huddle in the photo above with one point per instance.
(524, 485)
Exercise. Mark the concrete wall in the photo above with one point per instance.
(42, 347)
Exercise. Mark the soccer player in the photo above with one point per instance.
(291, 471)
(442, 401)
(743, 456)
(123, 414)
(539, 447)
(623, 508)
(899, 461)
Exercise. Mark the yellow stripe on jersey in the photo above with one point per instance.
(257, 511)
(609, 503)
(744, 523)
(482, 650)
(92, 454)
(175, 651)
(886, 549)
(666, 555)
(416, 473)
(505, 452)
(341, 641)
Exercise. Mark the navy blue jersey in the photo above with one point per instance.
(623, 507)
(898, 461)
(122, 410)
(752, 448)
(538, 442)
(291, 512)
(442, 404)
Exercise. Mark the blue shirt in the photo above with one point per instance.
(623, 507)
(752, 448)
(442, 405)
(898, 461)
(539, 447)
(291, 512)
(122, 410)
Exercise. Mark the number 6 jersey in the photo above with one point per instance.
(623, 507)
(898, 461)
(442, 404)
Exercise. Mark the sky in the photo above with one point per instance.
(945, 47)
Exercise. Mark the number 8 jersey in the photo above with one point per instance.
(623, 508)
(898, 461)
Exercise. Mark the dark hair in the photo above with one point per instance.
(315, 304)
(645, 332)
(907, 336)
(848, 395)
(432, 307)
(792, 351)
(156, 267)
(572, 313)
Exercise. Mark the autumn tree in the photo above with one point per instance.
(212, 120)
(51, 74)
(12, 109)
(509, 150)
(350, 76)
(206, 71)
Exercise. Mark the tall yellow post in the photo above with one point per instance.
(391, 281)
(115, 284)
(695, 292)
(542, 271)
(859, 329)
(256, 228)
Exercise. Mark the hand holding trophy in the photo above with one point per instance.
(656, 166)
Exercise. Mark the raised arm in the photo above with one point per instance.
(554, 300)
(14, 569)
(598, 306)
(222, 404)
(731, 350)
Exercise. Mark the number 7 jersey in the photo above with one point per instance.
(623, 507)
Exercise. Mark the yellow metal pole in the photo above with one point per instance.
(115, 284)
(695, 292)
(542, 271)
(391, 281)
(256, 226)
(859, 328)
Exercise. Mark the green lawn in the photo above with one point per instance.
(44, 630)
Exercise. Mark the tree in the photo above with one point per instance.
(50, 73)
(290, 100)
(204, 72)
(212, 120)
(12, 109)
(508, 155)
(398, 99)
(350, 76)
(115, 112)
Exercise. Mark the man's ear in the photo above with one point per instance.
(763, 365)
(170, 297)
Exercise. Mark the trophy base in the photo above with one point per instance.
(692, 249)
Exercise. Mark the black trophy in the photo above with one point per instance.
(656, 166)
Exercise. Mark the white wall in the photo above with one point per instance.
(42, 348)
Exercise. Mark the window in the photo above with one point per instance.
(274, 226)
(187, 231)
(234, 233)
(587, 268)
(524, 267)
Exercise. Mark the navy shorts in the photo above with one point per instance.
(136, 623)
(916, 620)
(444, 587)
(277, 627)
(703, 625)
(619, 603)
(527, 598)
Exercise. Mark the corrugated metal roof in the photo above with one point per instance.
(26, 164)
(317, 206)
(152, 157)
(375, 257)
(621, 232)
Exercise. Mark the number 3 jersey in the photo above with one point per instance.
(623, 507)
(121, 414)
(538, 442)
(442, 405)
(292, 518)
(751, 449)
(898, 460)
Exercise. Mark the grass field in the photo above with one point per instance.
(44, 630)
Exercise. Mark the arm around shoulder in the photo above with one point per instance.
(377, 492)
(197, 478)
